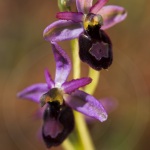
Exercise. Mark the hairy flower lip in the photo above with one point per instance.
(55, 128)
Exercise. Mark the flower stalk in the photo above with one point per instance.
(67, 145)
(92, 86)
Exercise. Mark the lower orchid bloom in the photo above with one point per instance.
(95, 47)
(58, 97)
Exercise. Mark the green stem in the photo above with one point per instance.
(67, 145)
(75, 59)
(81, 126)
(95, 75)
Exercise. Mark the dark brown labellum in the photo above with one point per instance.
(95, 48)
(58, 123)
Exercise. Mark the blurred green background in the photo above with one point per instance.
(24, 55)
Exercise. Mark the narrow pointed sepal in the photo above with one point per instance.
(62, 30)
(84, 5)
(98, 5)
(49, 79)
(34, 92)
(112, 15)
(63, 64)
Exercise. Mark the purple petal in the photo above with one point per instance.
(98, 5)
(63, 64)
(74, 16)
(49, 79)
(62, 30)
(84, 5)
(73, 85)
(34, 92)
(112, 15)
(87, 105)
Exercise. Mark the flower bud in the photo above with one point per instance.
(65, 5)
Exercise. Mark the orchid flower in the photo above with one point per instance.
(58, 97)
(87, 24)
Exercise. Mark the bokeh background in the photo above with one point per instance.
(24, 55)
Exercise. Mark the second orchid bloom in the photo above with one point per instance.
(58, 97)
(88, 25)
